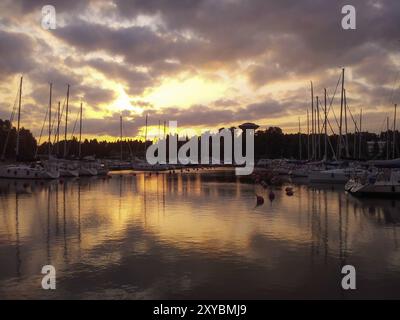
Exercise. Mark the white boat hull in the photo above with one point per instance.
(87, 172)
(69, 173)
(27, 172)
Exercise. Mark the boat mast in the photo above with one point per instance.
(300, 157)
(341, 119)
(387, 138)
(319, 130)
(66, 124)
(394, 131)
(18, 120)
(58, 128)
(80, 133)
(359, 143)
(145, 138)
(312, 122)
(345, 125)
(308, 136)
(326, 125)
(355, 139)
(51, 88)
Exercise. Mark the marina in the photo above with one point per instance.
(204, 151)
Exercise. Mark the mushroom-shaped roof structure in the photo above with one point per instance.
(249, 125)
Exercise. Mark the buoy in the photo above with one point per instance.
(260, 200)
(271, 196)
(289, 193)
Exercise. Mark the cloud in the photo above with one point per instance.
(135, 81)
(15, 53)
(96, 95)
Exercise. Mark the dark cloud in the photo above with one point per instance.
(138, 45)
(135, 81)
(15, 53)
(292, 38)
(31, 6)
(96, 95)
(201, 115)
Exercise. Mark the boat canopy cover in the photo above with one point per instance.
(394, 163)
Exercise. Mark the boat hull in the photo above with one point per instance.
(69, 173)
(371, 190)
(328, 177)
(87, 172)
(26, 172)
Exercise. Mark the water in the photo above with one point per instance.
(193, 235)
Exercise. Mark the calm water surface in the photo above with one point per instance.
(193, 235)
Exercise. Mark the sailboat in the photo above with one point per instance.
(66, 167)
(33, 171)
(384, 177)
(383, 184)
(88, 166)
(27, 171)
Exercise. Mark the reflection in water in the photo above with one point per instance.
(17, 246)
(193, 235)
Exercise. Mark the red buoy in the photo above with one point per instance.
(271, 196)
(260, 200)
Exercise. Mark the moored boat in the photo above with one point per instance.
(334, 175)
(33, 171)
(384, 184)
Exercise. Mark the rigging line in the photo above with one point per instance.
(53, 123)
(59, 122)
(74, 127)
(330, 106)
(10, 128)
(329, 141)
(333, 111)
(352, 118)
(129, 145)
(41, 132)
(337, 123)
(333, 97)
(382, 125)
(73, 131)
(334, 114)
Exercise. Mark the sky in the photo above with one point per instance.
(203, 63)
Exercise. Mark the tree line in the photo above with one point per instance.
(271, 143)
